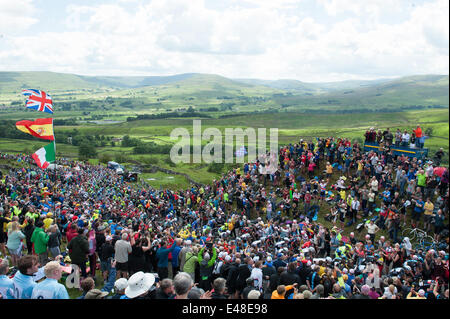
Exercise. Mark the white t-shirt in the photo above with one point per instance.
(405, 137)
(374, 185)
(371, 229)
(122, 249)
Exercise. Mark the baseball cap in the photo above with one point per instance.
(120, 284)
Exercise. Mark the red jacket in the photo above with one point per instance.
(418, 132)
(71, 233)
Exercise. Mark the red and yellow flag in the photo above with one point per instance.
(42, 128)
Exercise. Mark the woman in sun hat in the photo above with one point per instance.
(139, 285)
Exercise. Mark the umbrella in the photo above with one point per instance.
(439, 171)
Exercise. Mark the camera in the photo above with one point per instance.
(369, 259)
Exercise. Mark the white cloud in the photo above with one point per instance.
(251, 38)
(16, 15)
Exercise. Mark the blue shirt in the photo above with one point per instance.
(162, 254)
(49, 289)
(23, 286)
(6, 287)
(175, 254)
(418, 209)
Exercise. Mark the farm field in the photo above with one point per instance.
(101, 111)
(291, 128)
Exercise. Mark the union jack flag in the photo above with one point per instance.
(38, 100)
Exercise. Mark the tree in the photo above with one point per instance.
(87, 150)
(105, 158)
(429, 132)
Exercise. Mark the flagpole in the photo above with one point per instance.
(54, 172)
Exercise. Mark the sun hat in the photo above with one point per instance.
(96, 294)
(139, 283)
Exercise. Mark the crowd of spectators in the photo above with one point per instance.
(414, 139)
(328, 223)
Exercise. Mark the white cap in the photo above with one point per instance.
(120, 284)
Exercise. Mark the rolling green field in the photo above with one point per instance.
(99, 110)
(291, 128)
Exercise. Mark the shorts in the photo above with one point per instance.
(122, 266)
(428, 218)
(105, 265)
(16, 252)
(416, 216)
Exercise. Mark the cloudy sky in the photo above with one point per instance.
(307, 40)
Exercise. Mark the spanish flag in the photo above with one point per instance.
(42, 128)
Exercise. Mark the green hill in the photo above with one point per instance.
(14, 82)
(427, 90)
(203, 91)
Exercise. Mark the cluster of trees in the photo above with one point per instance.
(371, 110)
(79, 138)
(268, 111)
(140, 147)
(151, 148)
(86, 151)
(167, 115)
(8, 130)
(63, 122)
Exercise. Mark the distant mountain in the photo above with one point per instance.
(419, 90)
(14, 82)
(290, 85)
(319, 87)
(210, 89)
(135, 81)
